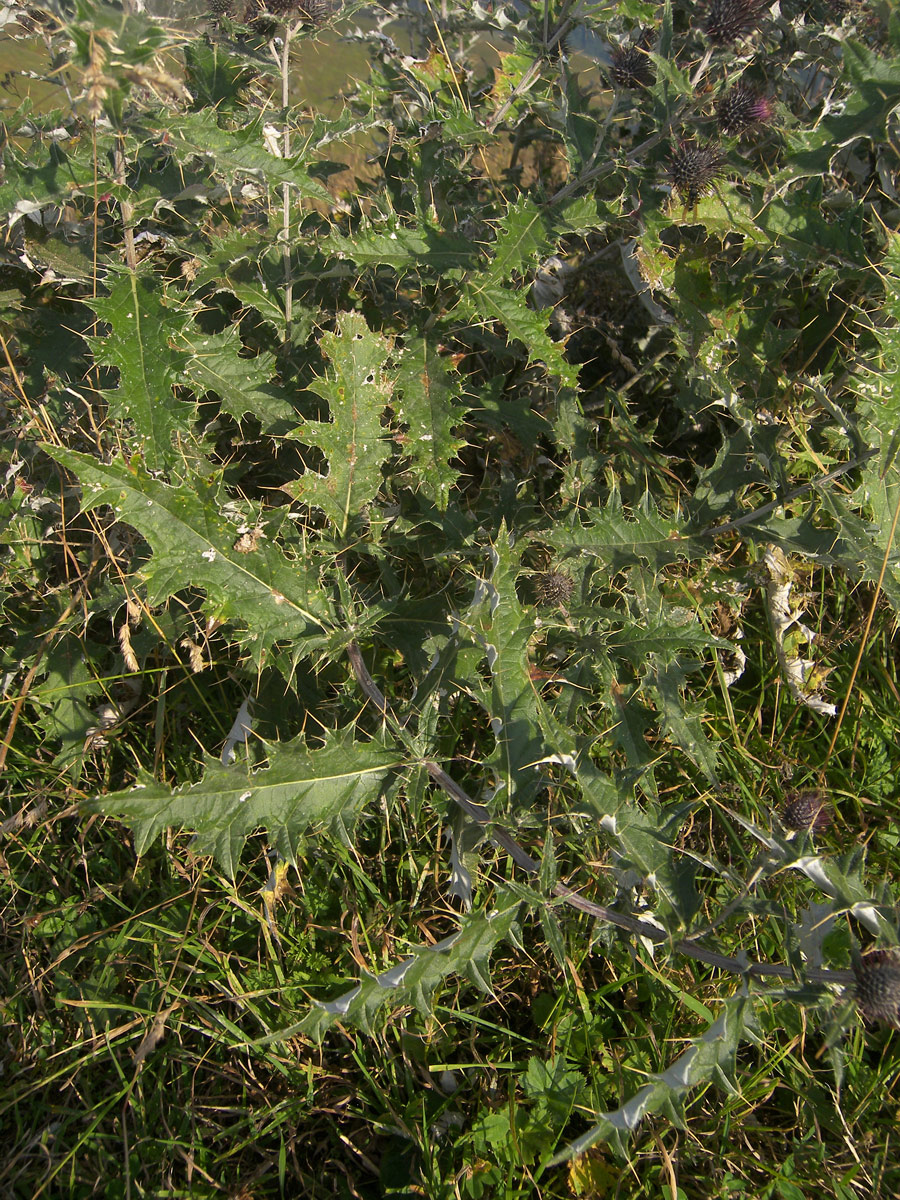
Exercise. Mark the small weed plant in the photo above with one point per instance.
(449, 569)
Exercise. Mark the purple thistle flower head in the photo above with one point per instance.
(742, 106)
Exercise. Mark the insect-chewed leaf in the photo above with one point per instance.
(428, 405)
(143, 328)
(354, 442)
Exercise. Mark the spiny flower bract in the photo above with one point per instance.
(692, 169)
(742, 106)
(730, 20)
(807, 810)
(313, 12)
(553, 588)
(878, 986)
(631, 67)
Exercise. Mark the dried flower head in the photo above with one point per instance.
(742, 106)
(553, 588)
(692, 169)
(631, 67)
(807, 810)
(730, 20)
(313, 12)
(878, 986)
(220, 8)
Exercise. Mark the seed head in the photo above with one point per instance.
(553, 588)
(878, 986)
(220, 8)
(631, 67)
(316, 12)
(807, 810)
(741, 107)
(730, 20)
(313, 12)
(692, 169)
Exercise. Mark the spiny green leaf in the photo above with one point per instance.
(66, 717)
(215, 78)
(239, 151)
(30, 187)
(681, 721)
(505, 631)
(878, 383)
(402, 247)
(427, 403)
(709, 1058)
(646, 834)
(300, 790)
(354, 440)
(414, 980)
(530, 230)
(521, 238)
(241, 383)
(873, 94)
(485, 299)
(195, 546)
(145, 328)
(677, 631)
(619, 539)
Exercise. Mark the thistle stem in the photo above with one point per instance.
(500, 837)
(285, 65)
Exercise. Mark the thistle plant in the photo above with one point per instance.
(378, 478)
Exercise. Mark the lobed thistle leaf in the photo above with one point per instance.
(742, 106)
(730, 20)
(692, 169)
(878, 986)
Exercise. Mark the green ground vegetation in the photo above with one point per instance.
(448, 534)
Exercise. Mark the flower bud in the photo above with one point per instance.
(878, 986)
(730, 20)
(553, 588)
(631, 68)
(692, 169)
(807, 810)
